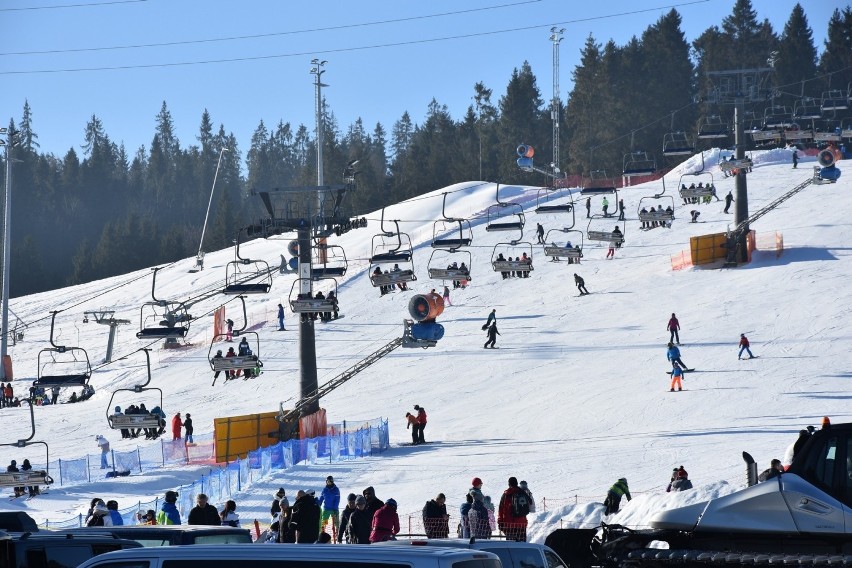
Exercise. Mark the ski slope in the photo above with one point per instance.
(575, 397)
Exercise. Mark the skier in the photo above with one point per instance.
(613, 496)
(605, 206)
(281, 318)
(744, 346)
(795, 158)
(728, 200)
(677, 375)
(492, 336)
(187, 425)
(588, 208)
(581, 284)
(673, 355)
(539, 233)
(492, 317)
(447, 296)
(412, 425)
(673, 327)
(694, 215)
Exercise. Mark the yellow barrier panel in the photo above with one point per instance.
(236, 436)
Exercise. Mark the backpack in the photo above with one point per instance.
(520, 504)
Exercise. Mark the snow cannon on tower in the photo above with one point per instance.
(525, 157)
(827, 171)
(422, 330)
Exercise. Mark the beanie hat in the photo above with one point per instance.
(523, 484)
(351, 497)
(391, 503)
(329, 478)
(360, 500)
(476, 482)
(280, 493)
(513, 482)
(171, 496)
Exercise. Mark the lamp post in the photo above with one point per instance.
(7, 202)
(199, 257)
(555, 37)
(317, 70)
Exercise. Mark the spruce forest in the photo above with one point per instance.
(102, 209)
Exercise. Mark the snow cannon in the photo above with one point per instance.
(526, 151)
(830, 174)
(426, 307)
(427, 331)
(828, 156)
(525, 164)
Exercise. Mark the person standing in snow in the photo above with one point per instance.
(177, 424)
(477, 516)
(621, 210)
(605, 206)
(539, 233)
(343, 533)
(435, 517)
(511, 519)
(447, 296)
(464, 512)
(104, 446)
(412, 425)
(673, 355)
(169, 514)
(421, 423)
(744, 346)
(673, 327)
(360, 522)
(281, 318)
(330, 501)
(492, 336)
(187, 425)
(795, 158)
(203, 513)
(581, 284)
(613, 496)
(728, 200)
(588, 208)
(525, 488)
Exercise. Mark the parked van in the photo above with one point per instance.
(173, 535)
(294, 556)
(44, 549)
(512, 554)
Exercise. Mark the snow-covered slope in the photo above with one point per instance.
(577, 394)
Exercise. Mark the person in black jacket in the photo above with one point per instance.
(435, 517)
(187, 424)
(360, 523)
(204, 513)
(344, 517)
(492, 336)
(373, 502)
(305, 520)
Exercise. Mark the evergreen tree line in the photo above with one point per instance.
(106, 211)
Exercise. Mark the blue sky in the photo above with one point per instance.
(267, 77)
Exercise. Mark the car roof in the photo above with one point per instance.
(225, 551)
(462, 543)
(169, 528)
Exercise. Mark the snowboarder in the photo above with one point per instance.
(492, 317)
(744, 346)
(673, 355)
(613, 496)
(177, 424)
(677, 376)
(412, 425)
(581, 284)
(694, 214)
(281, 318)
(187, 425)
(673, 327)
(728, 200)
(588, 208)
(492, 336)
(539, 233)
(795, 158)
(421, 421)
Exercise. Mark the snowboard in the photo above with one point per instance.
(684, 370)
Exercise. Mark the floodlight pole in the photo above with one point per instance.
(555, 37)
(317, 70)
(7, 233)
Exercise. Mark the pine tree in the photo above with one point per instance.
(582, 109)
(521, 120)
(796, 61)
(29, 139)
(836, 60)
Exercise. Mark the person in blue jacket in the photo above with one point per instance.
(673, 355)
(115, 516)
(169, 514)
(329, 500)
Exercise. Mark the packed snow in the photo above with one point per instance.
(575, 397)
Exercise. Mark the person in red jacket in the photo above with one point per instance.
(421, 423)
(177, 424)
(385, 522)
(509, 521)
(673, 327)
(744, 346)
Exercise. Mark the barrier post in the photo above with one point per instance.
(88, 470)
(544, 503)
(112, 459)
(60, 472)
(139, 458)
(80, 519)
(163, 451)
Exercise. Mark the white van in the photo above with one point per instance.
(512, 554)
(294, 556)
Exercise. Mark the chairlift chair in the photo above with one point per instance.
(444, 235)
(677, 144)
(391, 247)
(777, 117)
(806, 108)
(505, 216)
(846, 129)
(545, 202)
(238, 362)
(328, 261)
(441, 263)
(32, 477)
(660, 214)
(310, 305)
(799, 132)
(70, 369)
(245, 275)
(597, 234)
(146, 421)
(598, 183)
(834, 100)
(638, 164)
(570, 250)
(687, 192)
(712, 127)
(162, 319)
(516, 262)
(827, 131)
